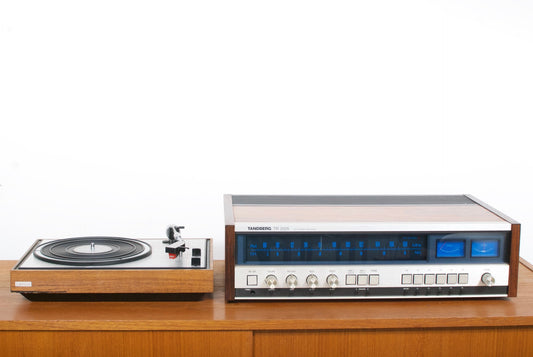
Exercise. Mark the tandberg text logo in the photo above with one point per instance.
(259, 228)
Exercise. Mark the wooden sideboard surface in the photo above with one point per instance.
(211, 327)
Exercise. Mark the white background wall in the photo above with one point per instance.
(121, 117)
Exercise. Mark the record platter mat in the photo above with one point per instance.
(92, 251)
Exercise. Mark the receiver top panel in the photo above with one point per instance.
(361, 213)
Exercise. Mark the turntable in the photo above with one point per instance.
(115, 268)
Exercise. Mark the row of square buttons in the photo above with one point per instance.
(362, 279)
(431, 279)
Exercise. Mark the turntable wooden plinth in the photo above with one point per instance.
(154, 281)
(146, 277)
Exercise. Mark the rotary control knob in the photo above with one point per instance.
(332, 280)
(312, 281)
(271, 282)
(291, 281)
(488, 279)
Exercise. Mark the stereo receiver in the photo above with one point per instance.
(368, 247)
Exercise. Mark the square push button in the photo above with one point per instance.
(452, 278)
(373, 279)
(418, 279)
(429, 279)
(350, 279)
(362, 279)
(407, 279)
(441, 279)
(251, 280)
(463, 278)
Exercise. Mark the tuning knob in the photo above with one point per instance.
(332, 280)
(488, 279)
(312, 281)
(291, 281)
(271, 282)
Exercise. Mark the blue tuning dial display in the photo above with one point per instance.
(300, 248)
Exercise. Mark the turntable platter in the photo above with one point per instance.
(92, 251)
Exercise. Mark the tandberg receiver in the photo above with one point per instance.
(368, 247)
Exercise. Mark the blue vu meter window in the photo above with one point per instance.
(300, 248)
(450, 248)
(485, 248)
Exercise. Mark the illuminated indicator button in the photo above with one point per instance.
(452, 278)
(407, 279)
(463, 278)
(350, 279)
(373, 279)
(441, 279)
(362, 279)
(429, 279)
(251, 280)
(418, 279)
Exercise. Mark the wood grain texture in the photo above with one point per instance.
(383, 213)
(126, 344)
(526, 264)
(11, 343)
(479, 342)
(514, 257)
(115, 281)
(230, 264)
(213, 313)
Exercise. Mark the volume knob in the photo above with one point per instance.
(488, 279)
(271, 282)
(332, 280)
(291, 281)
(312, 281)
